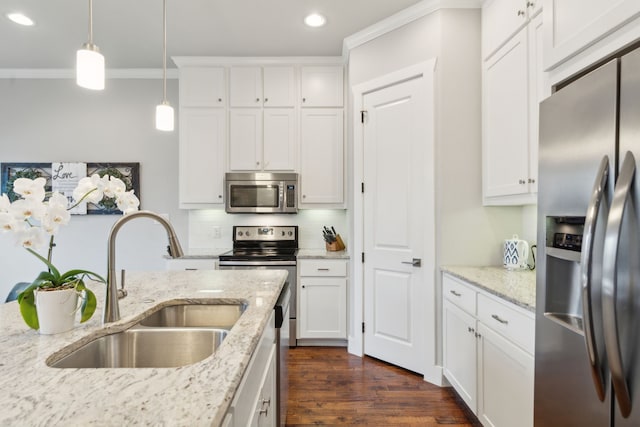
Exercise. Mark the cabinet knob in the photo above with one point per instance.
(219, 99)
(478, 335)
(303, 286)
(304, 196)
(219, 196)
(266, 99)
(522, 181)
(532, 181)
(304, 99)
(257, 163)
(530, 4)
(257, 99)
(521, 13)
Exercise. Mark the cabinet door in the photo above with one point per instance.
(202, 87)
(245, 86)
(505, 120)
(201, 153)
(323, 307)
(501, 19)
(321, 156)
(279, 86)
(279, 139)
(506, 375)
(459, 352)
(322, 86)
(245, 139)
(536, 95)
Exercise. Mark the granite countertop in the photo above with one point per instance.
(195, 395)
(322, 253)
(516, 286)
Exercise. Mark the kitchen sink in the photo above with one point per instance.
(145, 348)
(222, 316)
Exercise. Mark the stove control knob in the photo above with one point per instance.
(283, 233)
(291, 233)
(239, 233)
(248, 233)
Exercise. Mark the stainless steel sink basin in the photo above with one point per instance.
(222, 316)
(145, 348)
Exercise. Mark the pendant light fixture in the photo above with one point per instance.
(89, 61)
(164, 111)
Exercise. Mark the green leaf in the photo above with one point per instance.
(54, 270)
(27, 302)
(89, 301)
(69, 274)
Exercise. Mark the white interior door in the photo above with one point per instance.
(398, 179)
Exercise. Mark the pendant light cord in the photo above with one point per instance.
(91, 22)
(164, 51)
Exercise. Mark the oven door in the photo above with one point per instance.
(254, 196)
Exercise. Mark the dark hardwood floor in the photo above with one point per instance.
(328, 386)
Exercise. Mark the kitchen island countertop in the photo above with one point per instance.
(195, 395)
(516, 286)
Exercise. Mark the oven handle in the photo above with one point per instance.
(254, 263)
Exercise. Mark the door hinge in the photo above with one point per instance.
(362, 256)
(363, 327)
(362, 187)
(363, 113)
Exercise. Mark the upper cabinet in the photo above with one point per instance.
(262, 86)
(512, 89)
(571, 26)
(322, 86)
(502, 19)
(202, 87)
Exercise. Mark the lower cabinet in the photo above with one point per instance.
(322, 293)
(488, 347)
(254, 403)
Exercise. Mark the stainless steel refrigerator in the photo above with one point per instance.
(588, 280)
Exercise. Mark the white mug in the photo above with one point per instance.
(516, 253)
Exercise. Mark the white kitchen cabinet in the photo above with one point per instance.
(202, 142)
(262, 86)
(488, 347)
(255, 401)
(512, 90)
(575, 25)
(502, 19)
(202, 87)
(322, 297)
(322, 86)
(505, 381)
(321, 157)
(262, 139)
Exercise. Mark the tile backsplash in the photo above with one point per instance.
(206, 225)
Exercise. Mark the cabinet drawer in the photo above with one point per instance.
(461, 295)
(322, 267)
(508, 322)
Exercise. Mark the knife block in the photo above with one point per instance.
(336, 246)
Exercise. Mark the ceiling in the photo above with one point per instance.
(129, 32)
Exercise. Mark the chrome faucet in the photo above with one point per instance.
(111, 307)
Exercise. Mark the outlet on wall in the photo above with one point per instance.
(216, 232)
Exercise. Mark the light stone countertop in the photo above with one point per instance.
(31, 393)
(516, 286)
(322, 253)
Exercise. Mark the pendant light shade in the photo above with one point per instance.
(164, 111)
(89, 61)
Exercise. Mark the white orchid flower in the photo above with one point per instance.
(4, 203)
(31, 189)
(24, 209)
(8, 222)
(127, 202)
(31, 238)
(55, 216)
(90, 188)
(58, 200)
(114, 187)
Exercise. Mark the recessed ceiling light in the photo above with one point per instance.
(19, 18)
(315, 20)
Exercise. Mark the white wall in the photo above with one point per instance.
(45, 120)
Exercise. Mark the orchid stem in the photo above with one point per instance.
(50, 253)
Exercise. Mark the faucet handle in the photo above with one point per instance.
(122, 292)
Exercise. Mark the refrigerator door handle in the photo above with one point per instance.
(610, 285)
(586, 266)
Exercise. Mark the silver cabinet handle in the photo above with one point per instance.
(416, 262)
(586, 267)
(499, 319)
(610, 282)
(457, 294)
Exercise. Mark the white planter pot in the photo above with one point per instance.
(56, 310)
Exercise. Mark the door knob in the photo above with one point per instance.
(416, 262)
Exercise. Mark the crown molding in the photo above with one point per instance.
(207, 61)
(69, 73)
(402, 18)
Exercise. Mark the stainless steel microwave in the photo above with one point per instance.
(261, 192)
